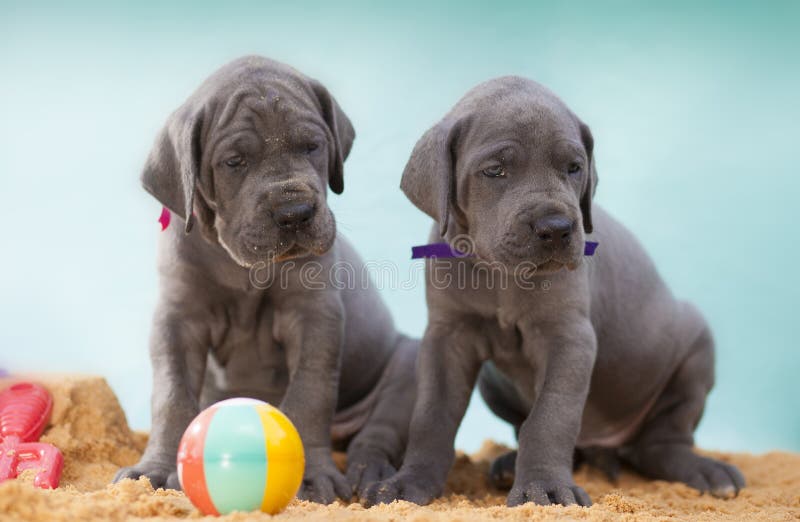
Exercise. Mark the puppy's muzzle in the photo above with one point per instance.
(294, 215)
(553, 231)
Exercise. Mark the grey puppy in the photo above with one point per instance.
(246, 162)
(572, 353)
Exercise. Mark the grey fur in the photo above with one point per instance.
(318, 352)
(598, 354)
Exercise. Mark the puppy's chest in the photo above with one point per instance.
(245, 348)
(517, 355)
(510, 302)
(504, 349)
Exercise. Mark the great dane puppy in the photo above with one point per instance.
(572, 352)
(245, 163)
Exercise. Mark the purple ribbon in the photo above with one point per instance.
(445, 250)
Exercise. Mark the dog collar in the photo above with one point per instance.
(164, 218)
(445, 250)
(417, 252)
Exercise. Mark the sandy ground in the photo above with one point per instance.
(89, 427)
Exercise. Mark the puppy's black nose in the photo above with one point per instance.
(293, 214)
(555, 230)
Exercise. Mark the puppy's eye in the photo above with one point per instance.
(495, 171)
(235, 161)
(574, 168)
(311, 147)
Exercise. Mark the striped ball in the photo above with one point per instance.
(240, 455)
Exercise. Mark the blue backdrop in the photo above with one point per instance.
(694, 110)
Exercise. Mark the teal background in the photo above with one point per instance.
(694, 109)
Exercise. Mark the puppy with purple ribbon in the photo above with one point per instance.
(592, 353)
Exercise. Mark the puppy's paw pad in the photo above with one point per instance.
(324, 485)
(681, 464)
(501, 473)
(545, 493)
(403, 486)
(366, 469)
(158, 475)
(724, 480)
(383, 492)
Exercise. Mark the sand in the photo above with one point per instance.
(89, 427)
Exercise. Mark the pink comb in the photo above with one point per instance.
(24, 412)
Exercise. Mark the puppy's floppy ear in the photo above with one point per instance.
(173, 166)
(343, 135)
(590, 183)
(429, 179)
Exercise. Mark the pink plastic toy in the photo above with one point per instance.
(24, 412)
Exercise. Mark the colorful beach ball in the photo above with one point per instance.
(240, 455)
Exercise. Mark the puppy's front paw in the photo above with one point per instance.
(547, 492)
(365, 467)
(159, 475)
(409, 486)
(323, 484)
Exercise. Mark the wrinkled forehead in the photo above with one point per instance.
(265, 106)
(531, 124)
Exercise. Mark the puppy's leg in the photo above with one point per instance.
(311, 330)
(446, 371)
(178, 352)
(377, 450)
(663, 448)
(562, 356)
(502, 398)
(605, 460)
